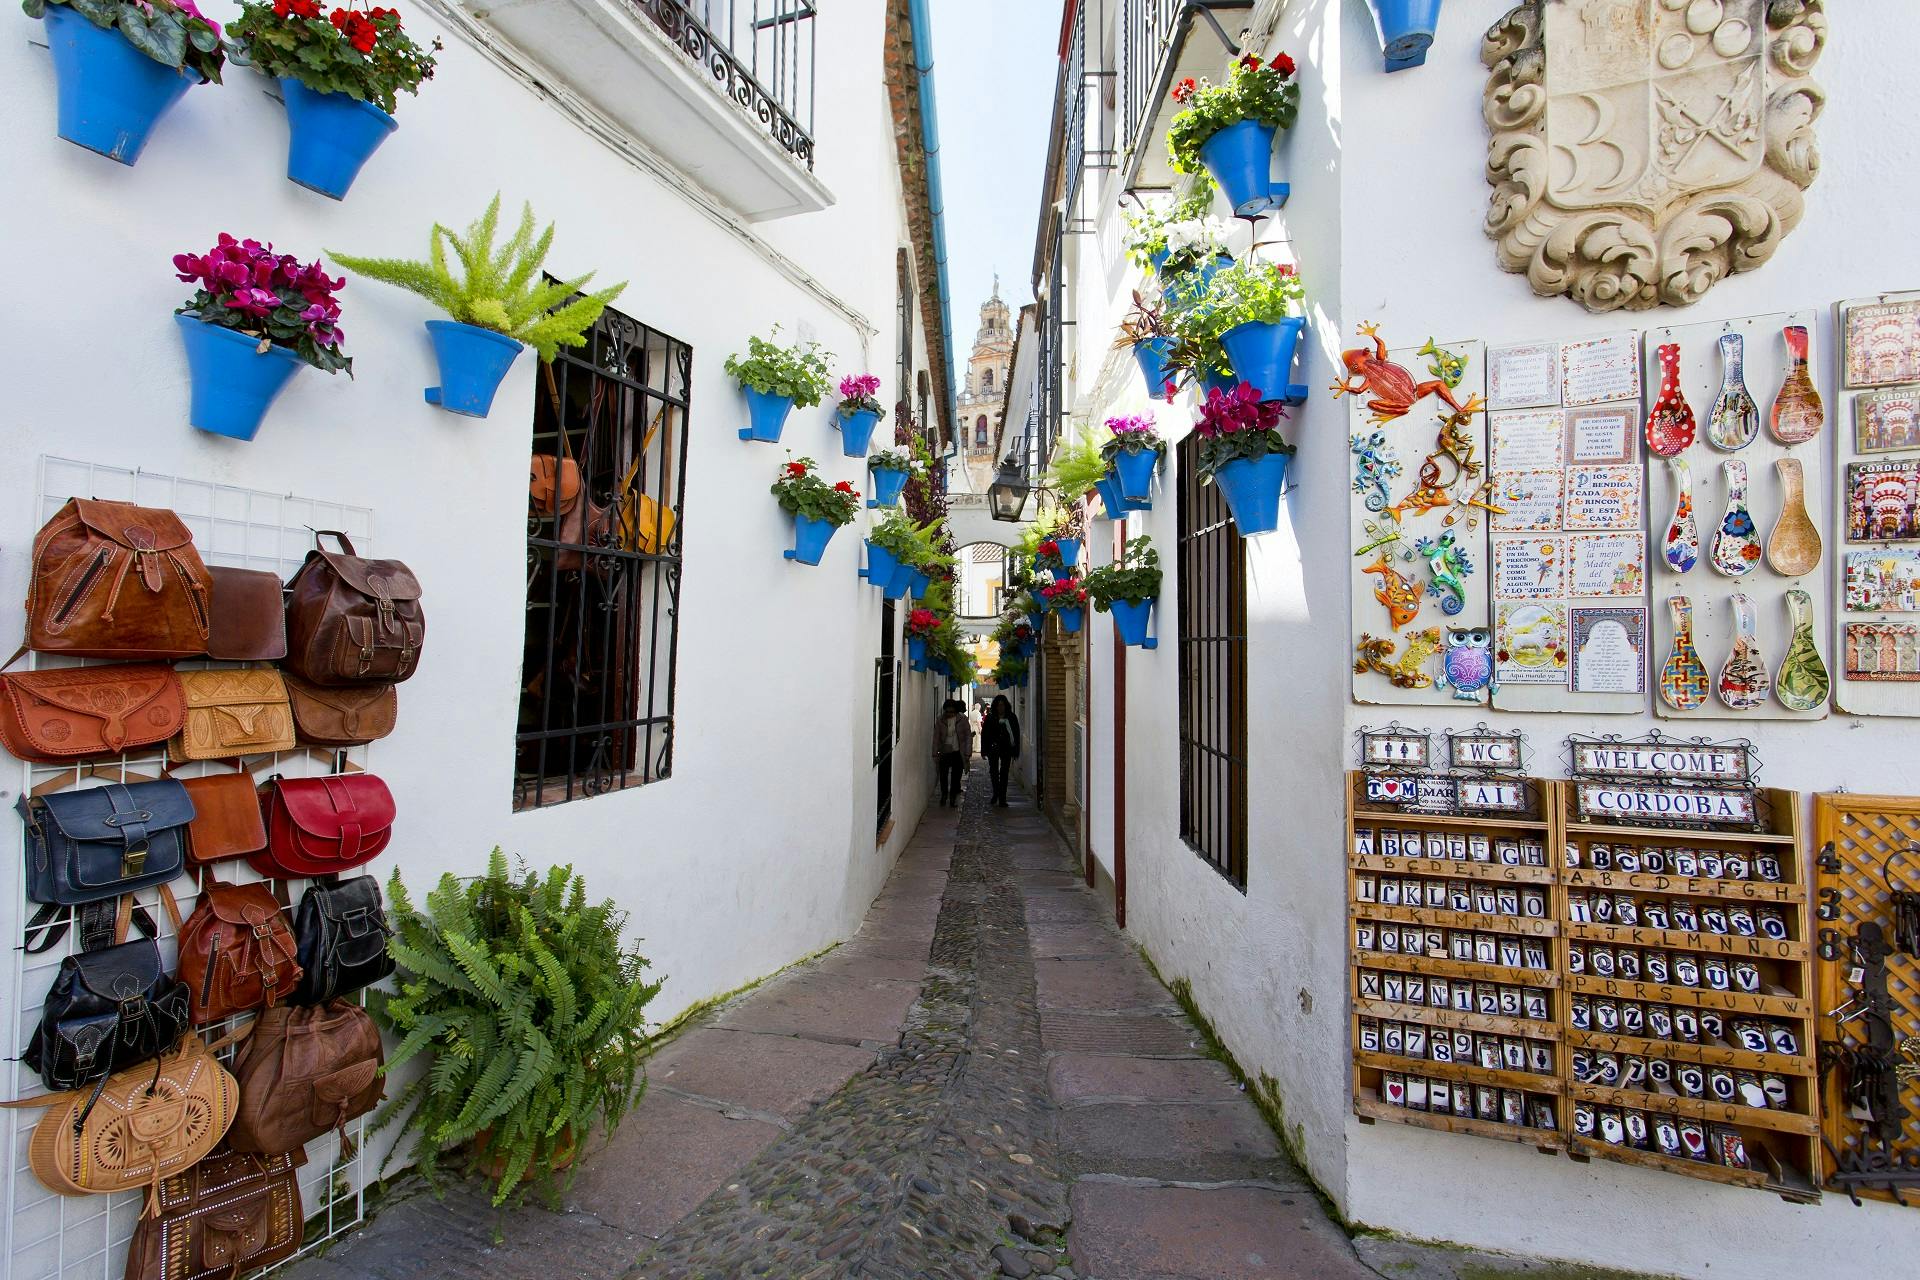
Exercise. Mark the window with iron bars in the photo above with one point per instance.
(1213, 674)
(603, 565)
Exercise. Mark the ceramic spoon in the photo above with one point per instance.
(1683, 680)
(1744, 682)
(1735, 419)
(1797, 411)
(1670, 425)
(1803, 682)
(1682, 549)
(1736, 545)
(1793, 548)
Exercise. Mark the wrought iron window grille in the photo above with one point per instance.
(1212, 599)
(1153, 34)
(763, 59)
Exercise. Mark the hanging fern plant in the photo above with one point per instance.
(530, 1009)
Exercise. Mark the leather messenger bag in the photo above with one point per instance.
(323, 826)
(351, 620)
(233, 712)
(343, 716)
(112, 580)
(73, 713)
(96, 843)
(249, 622)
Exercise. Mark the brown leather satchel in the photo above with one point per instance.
(303, 1072)
(249, 619)
(236, 951)
(230, 1214)
(351, 620)
(70, 713)
(226, 818)
(112, 580)
(349, 716)
(239, 711)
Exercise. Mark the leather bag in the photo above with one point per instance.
(232, 1213)
(107, 1010)
(112, 580)
(303, 1071)
(144, 1124)
(234, 712)
(341, 931)
(352, 620)
(86, 845)
(226, 818)
(236, 951)
(71, 713)
(347, 716)
(248, 622)
(323, 826)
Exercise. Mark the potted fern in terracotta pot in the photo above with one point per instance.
(529, 1008)
(500, 303)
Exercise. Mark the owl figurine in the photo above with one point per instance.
(1467, 666)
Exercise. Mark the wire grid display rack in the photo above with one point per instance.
(53, 1237)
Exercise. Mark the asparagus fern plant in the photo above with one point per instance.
(499, 289)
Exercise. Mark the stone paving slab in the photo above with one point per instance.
(1175, 1142)
(1123, 1232)
(1118, 985)
(767, 1073)
(667, 1156)
(1076, 1078)
(822, 1007)
(1397, 1259)
(1148, 1035)
(1057, 939)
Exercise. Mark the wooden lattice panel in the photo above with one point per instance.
(1865, 831)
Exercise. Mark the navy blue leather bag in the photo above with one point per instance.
(86, 846)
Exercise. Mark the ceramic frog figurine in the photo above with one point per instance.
(1392, 387)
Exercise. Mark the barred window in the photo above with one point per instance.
(1213, 674)
(603, 565)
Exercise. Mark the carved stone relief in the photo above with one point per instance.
(1643, 149)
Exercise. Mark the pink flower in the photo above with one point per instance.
(859, 387)
(1241, 409)
(255, 302)
(1132, 424)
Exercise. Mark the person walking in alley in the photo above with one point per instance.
(952, 749)
(1000, 744)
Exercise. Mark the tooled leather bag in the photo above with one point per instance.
(352, 620)
(345, 716)
(226, 818)
(112, 580)
(233, 712)
(323, 826)
(232, 1213)
(71, 713)
(341, 930)
(249, 619)
(236, 951)
(303, 1071)
(86, 845)
(107, 1010)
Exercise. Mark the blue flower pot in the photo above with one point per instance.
(766, 415)
(472, 363)
(1130, 619)
(1240, 158)
(887, 484)
(1117, 506)
(810, 539)
(1133, 472)
(1406, 30)
(1037, 620)
(921, 584)
(110, 95)
(1063, 573)
(917, 650)
(901, 582)
(1262, 354)
(233, 382)
(1216, 380)
(1153, 355)
(939, 666)
(330, 136)
(880, 566)
(856, 432)
(1069, 551)
(1251, 487)
(1071, 616)
(1185, 285)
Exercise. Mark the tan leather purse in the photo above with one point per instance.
(342, 716)
(230, 1214)
(112, 580)
(238, 712)
(303, 1072)
(226, 818)
(71, 713)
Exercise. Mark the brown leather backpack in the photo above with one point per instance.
(112, 580)
(236, 952)
(227, 1216)
(353, 621)
(304, 1071)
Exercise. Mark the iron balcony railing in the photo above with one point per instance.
(760, 52)
(1088, 129)
(1153, 35)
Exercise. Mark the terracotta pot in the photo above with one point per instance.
(492, 1166)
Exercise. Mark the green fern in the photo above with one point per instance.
(501, 289)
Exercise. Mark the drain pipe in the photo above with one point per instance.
(922, 23)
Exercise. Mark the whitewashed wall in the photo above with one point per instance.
(760, 848)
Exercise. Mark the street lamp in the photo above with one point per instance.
(1007, 495)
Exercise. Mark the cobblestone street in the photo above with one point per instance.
(985, 1081)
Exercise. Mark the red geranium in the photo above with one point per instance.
(796, 468)
(844, 487)
(1283, 64)
(1184, 90)
(1252, 63)
(1049, 548)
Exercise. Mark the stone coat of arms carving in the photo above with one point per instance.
(1643, 149)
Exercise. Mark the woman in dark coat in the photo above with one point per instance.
(1000, 744)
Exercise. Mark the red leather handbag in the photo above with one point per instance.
(323, 826)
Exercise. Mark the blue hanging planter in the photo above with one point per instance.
(1071, 616)
(1251, 487)
(917, 650)
(1108, 487)
(1133, 473)
(1406, 30)
(1216, 380)
(901, 582)
(1037, 620)
(330, 136)
(1262, 354)
(856, 432)
(110, 95)
(1130, 619)
(1069, 551)
(233, 381)
(880, 566)
(1153, 355)
(472, 363)
(922, 582)
(887, 484)
(766, 415)
(810, 539)
(1240, 158)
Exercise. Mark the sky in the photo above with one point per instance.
(994, 64)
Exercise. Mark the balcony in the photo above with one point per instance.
(723, 89)
(1163, 42)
